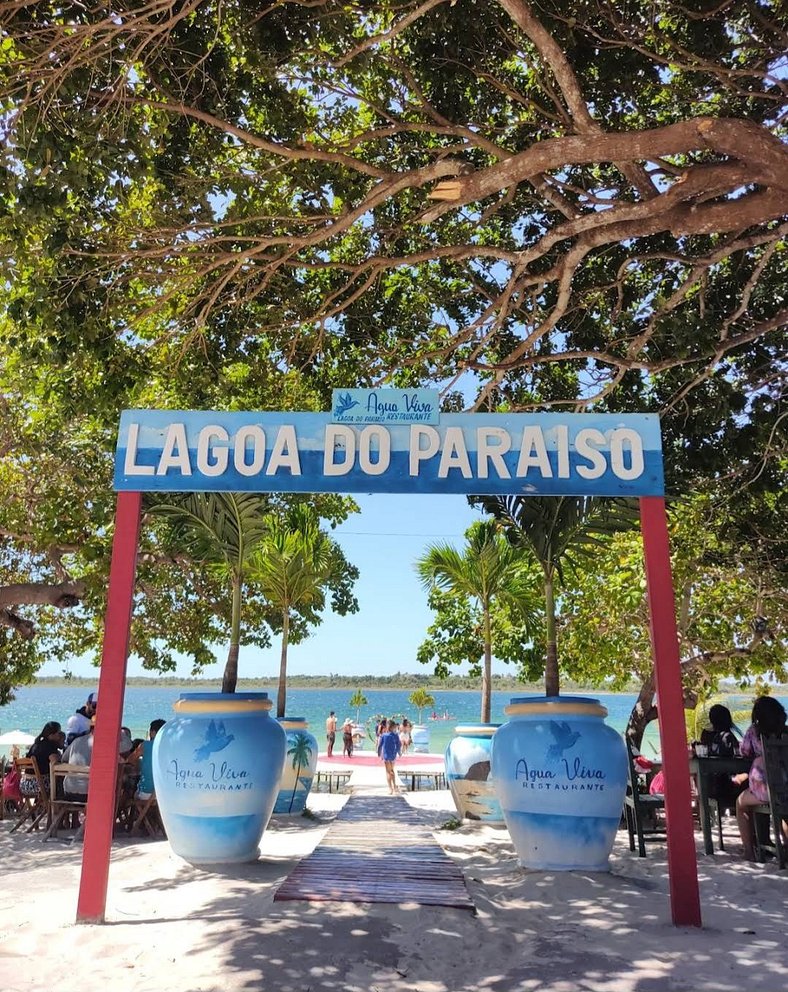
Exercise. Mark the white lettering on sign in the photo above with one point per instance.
(339, 440)
(212, 461)
(486, 451)
(373, 438)
(249, 441)
(562, 441)
(130, 466)
(285, 452)
(419, 454)
(584, 446)
(533, 452)
(454, 453)
(625, 439)
(175, 453)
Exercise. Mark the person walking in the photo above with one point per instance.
(389, 749)
(331, 733)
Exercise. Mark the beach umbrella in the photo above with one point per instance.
(16, 738)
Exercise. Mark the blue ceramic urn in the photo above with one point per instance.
(560, 774)
(467, 762)
(300, 766)
(217, 767)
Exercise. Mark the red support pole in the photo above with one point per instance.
(682, 861)
(100, 812)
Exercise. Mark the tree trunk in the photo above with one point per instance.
(551, 682)
(230, 679)
(281, 696)
(487, 670)
(643, 712)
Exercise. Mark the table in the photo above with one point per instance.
(703, 769)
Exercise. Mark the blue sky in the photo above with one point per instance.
(383, 541)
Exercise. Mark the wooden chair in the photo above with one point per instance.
(775, 762)
(145, 816)
(34, 807)
(59, 806)
(639, 805)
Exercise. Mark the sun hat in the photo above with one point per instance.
(348, 722)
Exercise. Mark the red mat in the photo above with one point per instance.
(364, 758)
(378, 851)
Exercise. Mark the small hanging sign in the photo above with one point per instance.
(385, 406)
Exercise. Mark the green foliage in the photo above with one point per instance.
(233, 212)
(558, 532)
(488, 571)
(421, 699)
(721, 589)
(293, 568)
(357, 700)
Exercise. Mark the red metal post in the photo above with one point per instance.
(682, 860)
(100, 813)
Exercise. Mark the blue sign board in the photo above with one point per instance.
(543, 454)
(385, 406)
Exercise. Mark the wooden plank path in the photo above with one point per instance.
(378, 850)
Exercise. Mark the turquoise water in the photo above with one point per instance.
(35, 705)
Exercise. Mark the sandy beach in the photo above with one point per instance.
(175, 927)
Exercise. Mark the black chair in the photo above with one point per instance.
(775, 762)
(640, 808)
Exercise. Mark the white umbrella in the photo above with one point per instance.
(16, 738)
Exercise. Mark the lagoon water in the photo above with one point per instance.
(35, 705)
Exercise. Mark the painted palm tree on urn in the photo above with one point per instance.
(300, 753)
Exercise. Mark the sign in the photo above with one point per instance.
(544, 454)
(385, 406)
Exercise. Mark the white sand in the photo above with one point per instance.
(175, 927)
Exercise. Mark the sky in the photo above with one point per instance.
(383, 541)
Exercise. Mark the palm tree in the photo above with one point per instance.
(421, 699)
(488, 570)
(220, 531)
(357, 700)
(558, 531)
(301, 753)
(292, 568)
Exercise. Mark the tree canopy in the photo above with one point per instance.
(731, 608)
(242, 205)
(570, 203)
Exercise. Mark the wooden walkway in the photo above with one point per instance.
(378, 850)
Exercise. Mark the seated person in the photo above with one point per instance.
(125, 745)
(144, 757)
(78, 752)
(768, 720)
(46, 750)
(79, 723)
(722, 743)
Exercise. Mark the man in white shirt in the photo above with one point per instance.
(79, 723)
(79, 752)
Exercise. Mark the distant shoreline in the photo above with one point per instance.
(401, 682)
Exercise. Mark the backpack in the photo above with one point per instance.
(11, 786)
